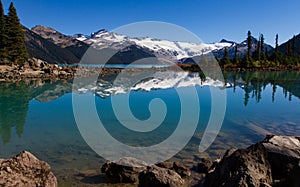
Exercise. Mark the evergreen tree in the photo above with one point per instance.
(276, 53)
(256, 52)
(294, 59)
(288, 48)
(266, 54)
(16, 40)
(225, 60)
(260, 46)
(3, 37)
(262, 43)
(235, 60)
(249, 45)
(294, 46)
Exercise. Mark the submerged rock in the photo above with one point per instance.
(272, 162)
(25, 169)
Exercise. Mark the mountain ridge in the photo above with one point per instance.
(74, 47)
(41, 48)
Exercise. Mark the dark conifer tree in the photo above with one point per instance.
(293, 46)
(266, 54)
(3, 37)
(276, 53)
(294, 59)
(225, 60)
(235, 60)
(16, 40)
(249, 45)
(262, 43)
(256, 54)
(288, 48)
(287, 57)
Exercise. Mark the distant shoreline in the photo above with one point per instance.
(38, 69)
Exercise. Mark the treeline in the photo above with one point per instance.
(12, 41)
(260, 57)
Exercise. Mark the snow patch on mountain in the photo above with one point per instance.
(172, 50)
(80, 37)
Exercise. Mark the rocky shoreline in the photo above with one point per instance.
(271, 162)
(275, 161)
(35, 69)
(38, 69)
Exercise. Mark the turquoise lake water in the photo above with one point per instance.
(37, 116)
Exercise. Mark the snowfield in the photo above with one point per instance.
(173, 50)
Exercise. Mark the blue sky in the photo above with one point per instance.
(211, 20)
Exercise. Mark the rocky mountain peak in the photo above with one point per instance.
(227, 41)
(43, 29)
(101, 31)
(55, 36)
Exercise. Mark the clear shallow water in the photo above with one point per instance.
(38, 116)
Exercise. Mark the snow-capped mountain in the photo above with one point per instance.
(171, 50)
(80, 37)
(130, 49)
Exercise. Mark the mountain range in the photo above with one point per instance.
(56, 48)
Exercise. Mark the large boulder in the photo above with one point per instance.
(25, 170)
(272, 162)
(125, 170)
(160, 177)
(131, 170)
(284, 158)
(204, 166)
(177, 167)
(36, 63)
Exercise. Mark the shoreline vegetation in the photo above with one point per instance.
(38, 69)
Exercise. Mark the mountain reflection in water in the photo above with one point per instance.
(15, 97)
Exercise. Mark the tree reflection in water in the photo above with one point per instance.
(15, 97)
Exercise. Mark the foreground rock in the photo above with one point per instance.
(177, 167)
(160, 177)
(204, 166)
(131, 170)
(273, 162)
(125, 170)
(25, 170)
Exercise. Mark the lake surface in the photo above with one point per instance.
(37, 115)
